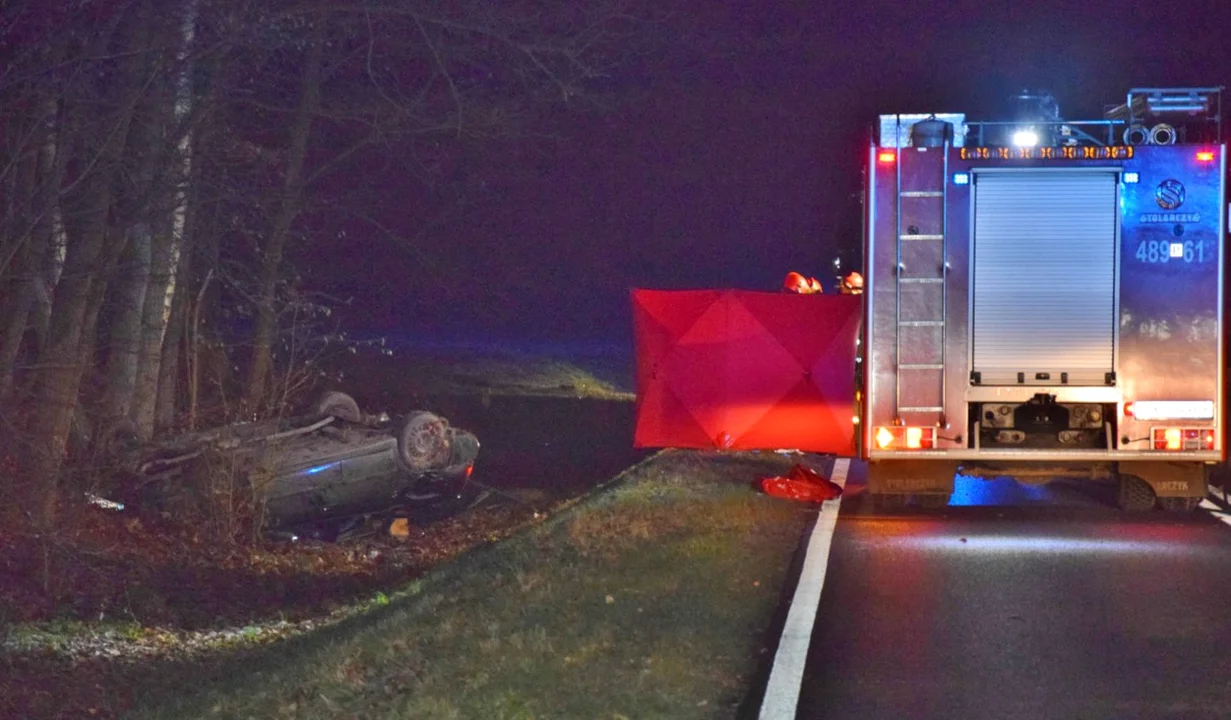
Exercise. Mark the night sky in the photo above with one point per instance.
(737, 156)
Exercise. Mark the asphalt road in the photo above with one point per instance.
(1021, 602)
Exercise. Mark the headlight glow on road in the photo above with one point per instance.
(1033, 545)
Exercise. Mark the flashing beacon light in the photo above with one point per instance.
(886, 157)
(1205, 156)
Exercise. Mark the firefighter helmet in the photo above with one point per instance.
(795, 283)
(853, 282)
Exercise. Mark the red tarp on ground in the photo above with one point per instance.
(745, 370)
(801, 483)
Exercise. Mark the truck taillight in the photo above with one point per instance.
(905, 438)
(1173, 438)
(1169, 409)
(886, 157)
(1205, 156)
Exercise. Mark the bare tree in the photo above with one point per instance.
(92, 247)
(170, 242)
(160, 161)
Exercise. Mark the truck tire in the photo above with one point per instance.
(1179, 504)
(1136, 495)
(423, 442)
(339, 405)
(931, 501)
(888, 502)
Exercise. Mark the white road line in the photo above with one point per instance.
(782, 690)
(1215, 510)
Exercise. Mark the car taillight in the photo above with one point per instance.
(1173, 438)
(906, 438)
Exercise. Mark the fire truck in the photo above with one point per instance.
(1043, 298)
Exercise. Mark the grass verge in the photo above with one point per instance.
(488, 372)
(649, 600)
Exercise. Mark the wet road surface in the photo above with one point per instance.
(1021, 602)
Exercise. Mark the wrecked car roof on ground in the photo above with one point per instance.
(332, 464)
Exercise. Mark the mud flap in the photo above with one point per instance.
(1170, 479)
(911, 477)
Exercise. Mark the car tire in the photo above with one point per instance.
(339, 405)
(423, 442)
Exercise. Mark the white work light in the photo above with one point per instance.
(1025, 138)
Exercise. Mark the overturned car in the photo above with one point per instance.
(317, 473)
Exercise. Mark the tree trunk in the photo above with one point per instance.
(168, 246)
(292, 192)
(16, 319)
(59, 372)
(33, 228)
(115, 246)
(58, 376)
(169, 367)
(124, 348)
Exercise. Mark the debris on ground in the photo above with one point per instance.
(801, 483)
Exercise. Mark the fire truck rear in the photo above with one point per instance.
(1044, 298)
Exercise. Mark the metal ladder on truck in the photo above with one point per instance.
(922, 273)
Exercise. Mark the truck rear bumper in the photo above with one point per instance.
(1027, 455)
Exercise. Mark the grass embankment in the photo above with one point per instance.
(490, 372)
(649, 600)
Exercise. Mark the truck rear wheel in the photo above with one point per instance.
(931, 501)
(1179, 504)
(1136, 495)
(888, 502)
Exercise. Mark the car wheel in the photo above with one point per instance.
(423, 442)
(339, 405)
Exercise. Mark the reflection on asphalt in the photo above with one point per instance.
(1022, 601)
(968, 491)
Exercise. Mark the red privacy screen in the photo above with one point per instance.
(745, 370)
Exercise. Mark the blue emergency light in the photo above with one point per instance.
(961, 178)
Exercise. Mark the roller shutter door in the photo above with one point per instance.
(1044, 277)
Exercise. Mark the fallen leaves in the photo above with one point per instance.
(184, 598)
